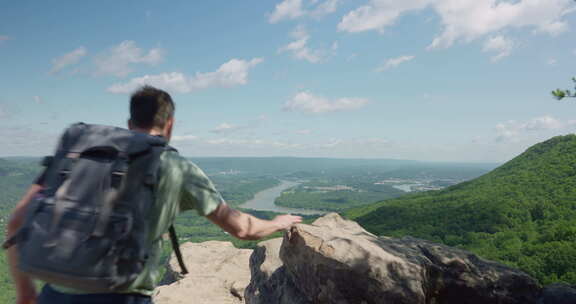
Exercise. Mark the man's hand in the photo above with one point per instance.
(286, 221)
(24, 297)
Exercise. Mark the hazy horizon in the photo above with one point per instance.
(8, 157)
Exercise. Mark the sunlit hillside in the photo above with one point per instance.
(522, 213)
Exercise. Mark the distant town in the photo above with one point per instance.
(417, 185)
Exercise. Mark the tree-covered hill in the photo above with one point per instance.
(522, 213)
(15, 177)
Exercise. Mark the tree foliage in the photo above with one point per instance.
(15, 177)
(561, 94)
(522, 214)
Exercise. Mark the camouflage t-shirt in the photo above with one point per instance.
(182, 186)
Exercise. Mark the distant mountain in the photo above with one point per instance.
(284, 165)
(15, 177)
(302, 167)
(522, 213)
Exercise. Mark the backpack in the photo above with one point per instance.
(87, 228)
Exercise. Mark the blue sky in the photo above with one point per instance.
(439, 80)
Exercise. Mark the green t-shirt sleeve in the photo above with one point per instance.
(198, 191)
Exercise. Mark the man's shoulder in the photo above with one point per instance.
(170, 156)
(172, 159)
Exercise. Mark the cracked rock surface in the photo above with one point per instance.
(334, 260)
(219, 273)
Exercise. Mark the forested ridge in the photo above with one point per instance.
(522, 213)
(310, 195)
(15, 177)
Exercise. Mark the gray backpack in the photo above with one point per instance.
(87, 228)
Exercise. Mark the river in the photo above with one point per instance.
(264, 200)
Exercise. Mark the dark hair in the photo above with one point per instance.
(150, 108)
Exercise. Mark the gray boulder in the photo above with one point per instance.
(337, 261)
(269, 282)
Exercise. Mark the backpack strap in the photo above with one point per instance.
(174, 237)
(177, 252)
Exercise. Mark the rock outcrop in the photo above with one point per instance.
(270, 283)
(219, 273)
(337, 261)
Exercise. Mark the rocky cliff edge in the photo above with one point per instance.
(334, 260)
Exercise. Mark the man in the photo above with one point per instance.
(181, 186)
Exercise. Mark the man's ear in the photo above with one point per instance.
(168, 128)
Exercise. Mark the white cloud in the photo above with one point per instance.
(499, 45)
(465, 20)
(305, 102)
(118, 59)
(304, 132)
(543, 123)
(68, 59)
(285, 145)
(225, 128)
(183, 138)
(293, 9)
(4, 113)
(507, 131)
(378, 14)
(251, 144)
(287, 9)
(332, 143)
(353, 144)
(374, 141)
(325, 8)
(511, 130)
(255, 146)
(38, 99)
(470, 19)
(236, 141)
(394, 62)
(335, 46)
(174, 81)
(552, 61)
(231, 73)
(299, 49)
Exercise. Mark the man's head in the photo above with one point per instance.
(152, 111)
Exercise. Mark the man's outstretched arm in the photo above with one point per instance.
(25, 290)
(247, 227)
